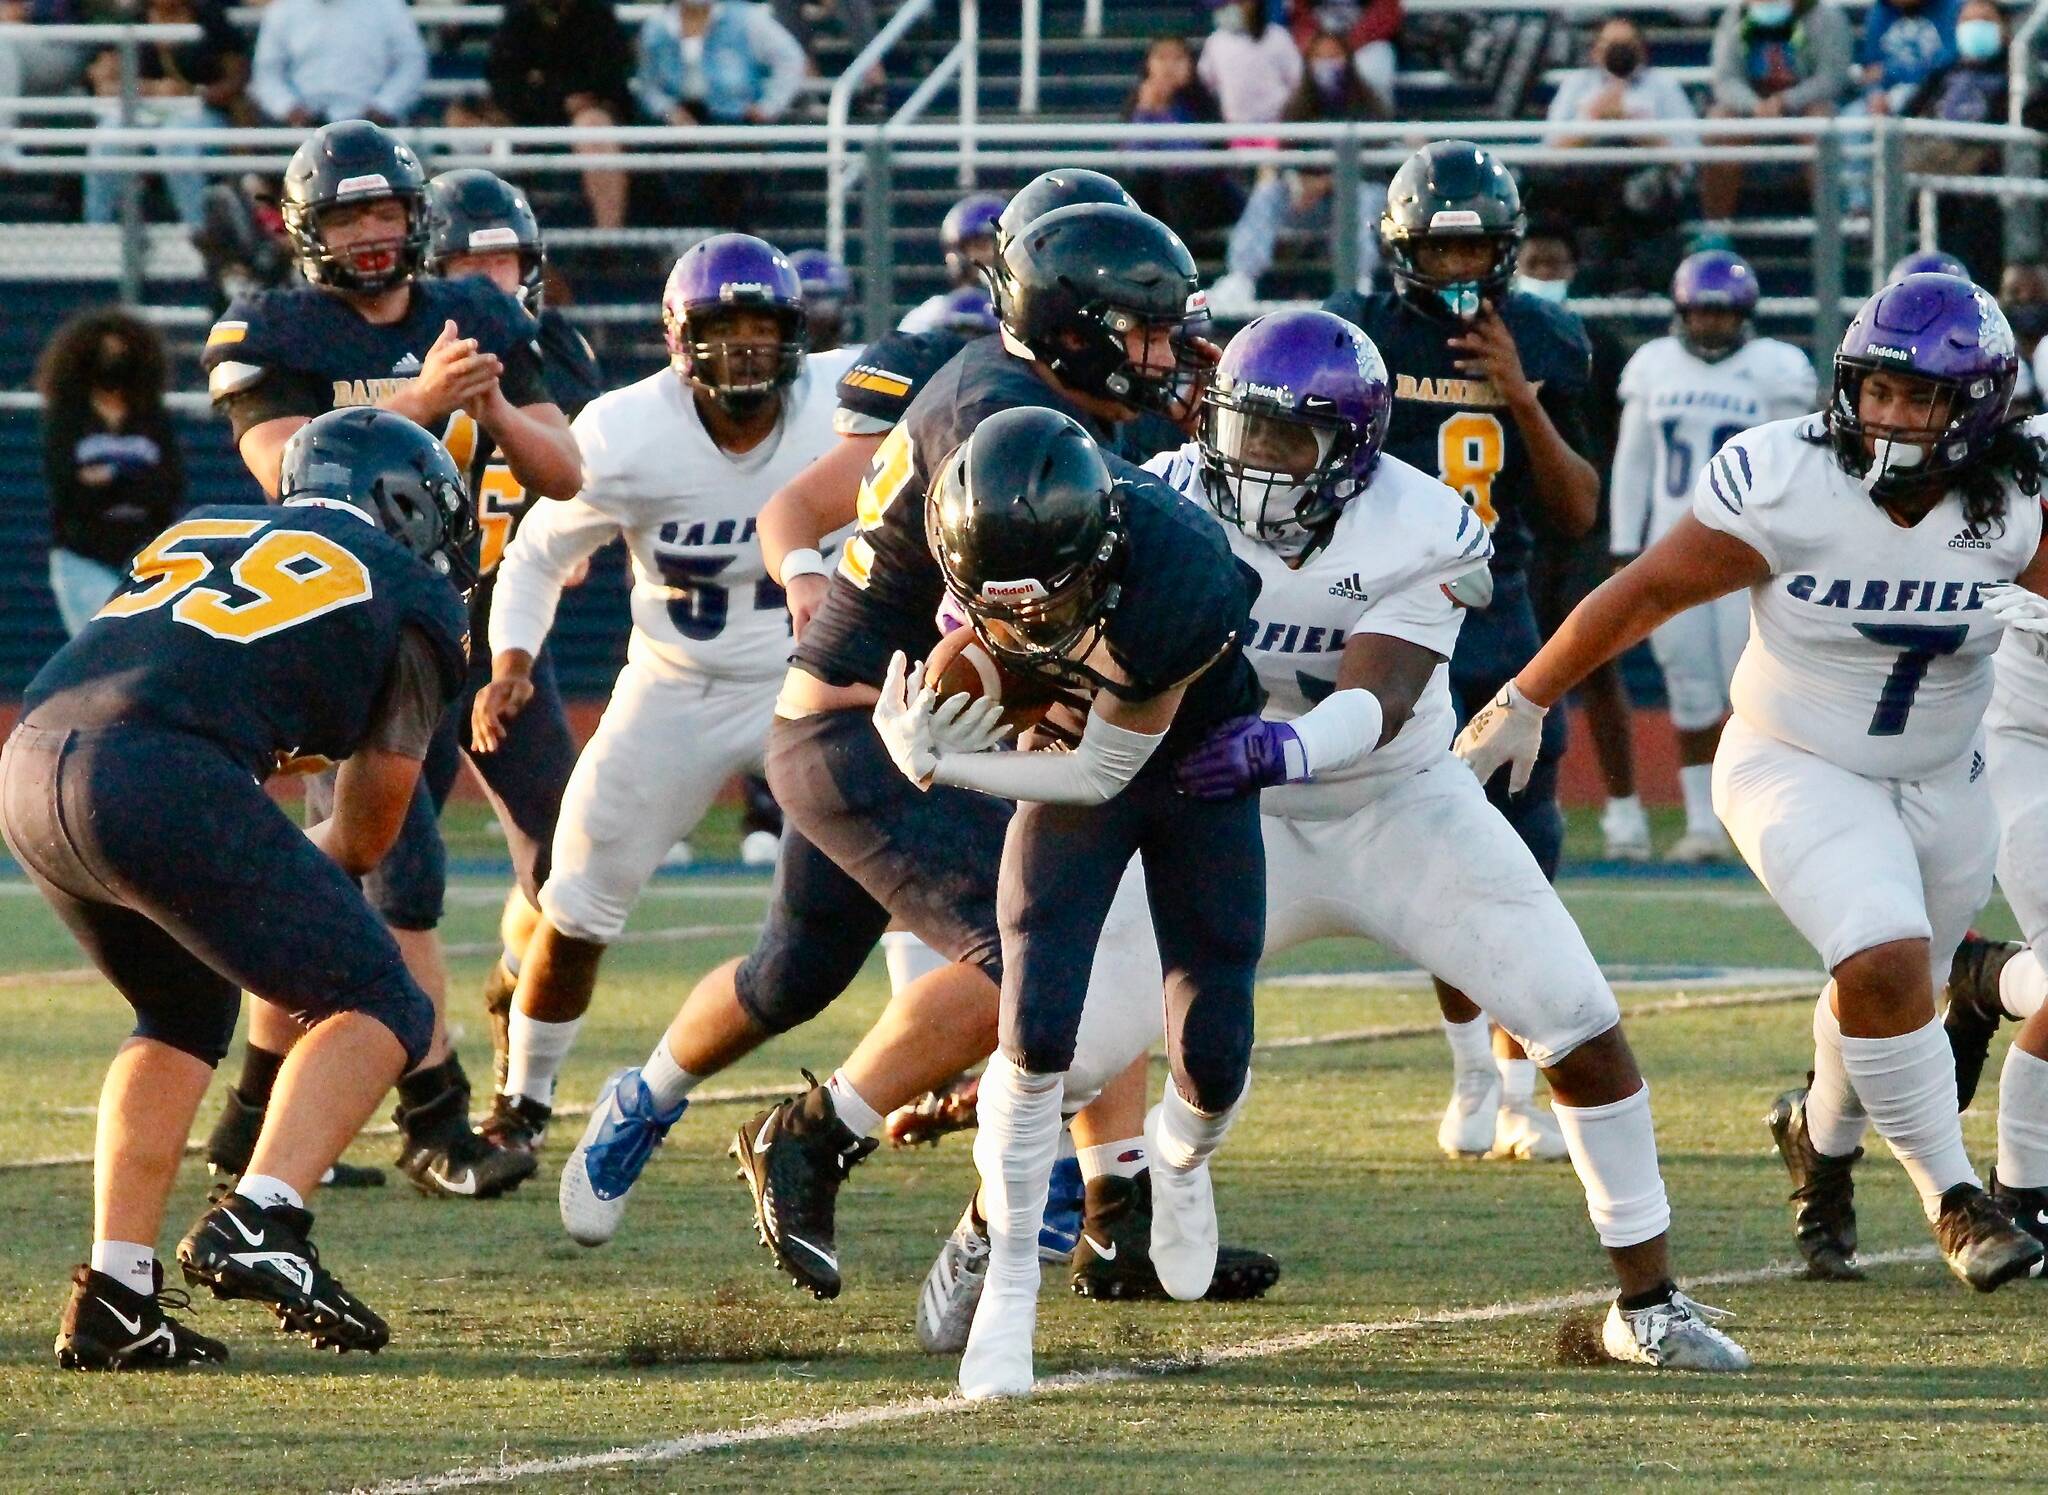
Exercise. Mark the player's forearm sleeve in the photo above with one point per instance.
(1339, 730)
(556, 535)
(1094, 773)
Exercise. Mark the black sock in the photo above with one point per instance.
(1661, 1293)
(424, 1085)
(259, 1076)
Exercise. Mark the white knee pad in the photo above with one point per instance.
(583, 911)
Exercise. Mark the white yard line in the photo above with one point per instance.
(668, 1450)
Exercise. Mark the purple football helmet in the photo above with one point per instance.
(1295, 419)
(828, 286)
(1713, 280)
(1947, 333)
(968, 311)
(718, 276)
(970, 220)
(1927, 262)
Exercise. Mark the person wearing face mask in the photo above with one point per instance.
(1300, 201)
(1250, 65)
(1969, 89)
(1368, 29)
(1905, 42)
(1772, 59)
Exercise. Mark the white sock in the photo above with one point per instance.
(2023, 986)
(133, 1266)
(1614, 1152)
(1517, 1080)
(667, 1081)
(859, 1117)
(1187, 1137)
(1835, 1119)
(1630, 805)
(265, 1192)
(1908, 1085)
(1125, 1159)
(2022, 1121)
(1014, 1149)
(908, 958)
(536, 1053)
(1471, 1044)
(1697, 785)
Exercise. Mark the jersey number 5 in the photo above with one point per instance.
(887, 473)
(1919, 646)
(1470, 449)
(283, 580)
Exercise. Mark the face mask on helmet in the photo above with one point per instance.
(1711, 333)
(1894, 435)
(372, 255)
(741, 356)
(1452, 273)
(1277, 476)
(1166, 375)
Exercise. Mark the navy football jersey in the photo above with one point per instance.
(300, 350)
(888, 375)
(885, 593)
(1458, 427)
(268, 631)
(568, 364)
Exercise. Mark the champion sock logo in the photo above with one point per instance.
(1351, 588)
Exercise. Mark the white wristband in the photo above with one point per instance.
(803, 562)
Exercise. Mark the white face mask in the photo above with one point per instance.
(1543, 290)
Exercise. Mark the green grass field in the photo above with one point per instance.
(1416, 1340)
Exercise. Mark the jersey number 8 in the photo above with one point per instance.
(289, 576)
(1470, 451)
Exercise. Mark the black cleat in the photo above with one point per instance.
(1823, 1194)
(1113, 1258)
(2029, 1211)
(1980, 1242)
(1971, 1011)
(446, 1159)
(241, 1251)
(109, 1326)
(516, 1122)
(233, 1139)
(499, 989)
(793, 1158)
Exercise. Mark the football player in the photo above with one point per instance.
(366, 329)
(1851, 773)
(827, 289)
(968, 236)
(678, 465)
(1926, 262)
(481, 225)
(1684, 395)
(1487, 388)
(250, 640)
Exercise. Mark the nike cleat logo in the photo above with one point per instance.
(243, 1230)
(825, 1256)
(761, 1137)
(132, 1325)
(1107, 1253)
(465, 1185)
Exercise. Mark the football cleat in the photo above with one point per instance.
(1971, 1011)
(107, 1325)
(952, 1288)
(793, 1158)
(2029, 1211)
(1980, 1242)
(1523, 1132)
(1625, 830)
(1183, 1222)
(446, 1159)
(1061, 1230)
(1823, 1194)
(1677, 1334)
(950, 1108)
(1699, 848)
(233, 1140)
(997, 1360)
(499, 989)
(241, 1251)
(516, 1122)
(623, 1131)
(1473, 1116)
(1113, 1259)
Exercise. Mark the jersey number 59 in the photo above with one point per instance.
(284, 579)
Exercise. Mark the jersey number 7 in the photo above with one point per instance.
(285, 578)
(1919, 645)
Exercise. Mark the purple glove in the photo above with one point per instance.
(1242, 756)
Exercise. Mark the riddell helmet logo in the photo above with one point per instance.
(1902, 355)
(494, 238)
(1030, 589)
(1278, 393)
(349, 186)
(733, 290)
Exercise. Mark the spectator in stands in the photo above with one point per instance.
(1250, 64)
(31, 65)
(109, 454)
(1904, 43)
(563, 62)
(1191, 198)
(1772, 59)
(1629, 214)
(1968, 89)
(181, 85)
(1367, 29)
(1303, 200)
(241, 237)
(322, 60)
(716, 62)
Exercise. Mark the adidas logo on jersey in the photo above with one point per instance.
(408, 363)
(1349, 588)
(1968, 540)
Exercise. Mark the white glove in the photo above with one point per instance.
(1507, 730)
(2016, 607)
(919, 728)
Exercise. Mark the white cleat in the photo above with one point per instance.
(625, 1128)
(1470, 1120)
(1674, 1335)
(760, 849)
(1523, 1132)
(998, 1358)
(1696, 848)
(1625, 827)
(1183, 1221)
(952, 1289)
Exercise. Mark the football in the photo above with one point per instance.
(960, 664)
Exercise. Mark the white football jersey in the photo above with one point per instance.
(2022, 668)
(1869, 644)
(1391, 554)
(1678, 410)
(703, 603)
